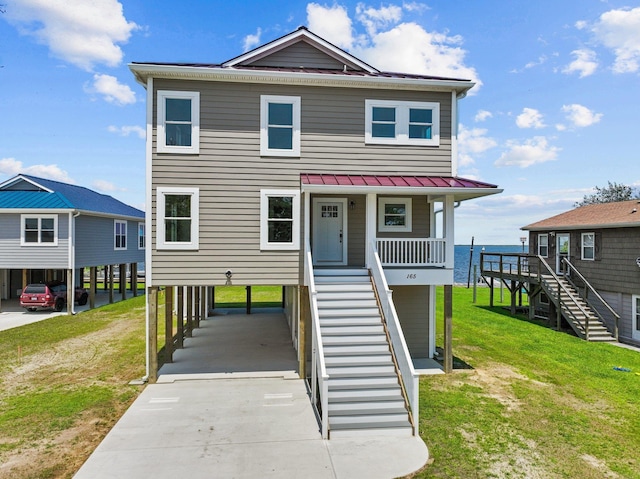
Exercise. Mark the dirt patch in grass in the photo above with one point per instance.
(92, 367)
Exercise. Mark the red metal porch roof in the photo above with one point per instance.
(392, 181)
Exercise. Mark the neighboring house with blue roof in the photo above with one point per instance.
(51, 230)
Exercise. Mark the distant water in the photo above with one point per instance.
(461, 271)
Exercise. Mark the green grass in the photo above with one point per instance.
(236, 296)
(535, 403)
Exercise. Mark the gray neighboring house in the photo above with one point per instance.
(297, 164)
(602, 241)
(51, 230)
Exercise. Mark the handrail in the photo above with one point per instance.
(408, 375)
(585, 326)
(600, 298)
(411, 251)
(319, 375)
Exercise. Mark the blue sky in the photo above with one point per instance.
(553, 113)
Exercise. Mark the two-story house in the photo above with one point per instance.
(297, 164)
(51, 230)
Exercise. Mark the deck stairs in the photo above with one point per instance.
(365, 396)
(575, 309)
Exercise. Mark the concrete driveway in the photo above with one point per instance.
(231, 405)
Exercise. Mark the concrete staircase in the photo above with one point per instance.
(365, 396)
(576, 310)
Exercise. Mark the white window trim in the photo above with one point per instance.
(40, 218)
(402, 123)
(582, 246)
(143, 236)
(161, 137)
(540, 236)
(115, 235)
(382, 202)
(635, 332)
(264, 130)
(194, 244)
(264, 220)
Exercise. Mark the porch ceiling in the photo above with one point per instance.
(436, 186)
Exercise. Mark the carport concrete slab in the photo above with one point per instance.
(239, 428)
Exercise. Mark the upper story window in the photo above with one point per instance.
(120, 234)
(279, 125)
(279, 219)
(39, 230)
(178, 122)
(394, 214)
(142, 237)
(402, 122)
(543, 245)
(178, 218)
(588, 246)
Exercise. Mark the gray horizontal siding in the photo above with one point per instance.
(95, 242)
(230, 172)
(13, 255)
(299, 55)
(412, 307)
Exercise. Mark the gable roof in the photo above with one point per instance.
(601, 215)
(30, 192)
(266, 64)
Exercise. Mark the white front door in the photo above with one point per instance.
(562, 250)
(329, 231)
(635, 318)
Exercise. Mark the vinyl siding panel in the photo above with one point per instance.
(412, 307)
(13, 255)
(230, 172)
(299, 55)
(95, 242)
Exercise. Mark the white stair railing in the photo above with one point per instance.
(408, 374)
(319, 375)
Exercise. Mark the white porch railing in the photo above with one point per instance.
(411, 251)
(408, 374)
(319, 375)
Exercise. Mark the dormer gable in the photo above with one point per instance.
(22, 183)
(300, 49)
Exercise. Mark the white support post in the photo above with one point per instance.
(371, 221)
(448, 231)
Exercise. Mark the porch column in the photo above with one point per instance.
(152, 334)
(71, 291)
(180, 317)
(93, 273)
(447, 226)
(448, 327)
(196, 319)
(189, 312)
(110, 284)
(168, 324)
(203, 303)
(123, 281)
(134, 279)
(370, 230)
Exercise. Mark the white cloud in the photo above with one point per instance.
(392, 46)
(113, 91)
(619, 30)
(581, 116)
(80, 32)
(12, 167)
(127, 130)
(483, 115)
(530, 118)
(105, 186)
(532, 152)
(250, 41)
(585, 63)
(473, 141)
(331, 23)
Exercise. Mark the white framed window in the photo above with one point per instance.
(588, 246)
(279, 125)
(38, 230)
(543, 245)
(178, 126)
(178, 218)
(142, 237)
(279, 219)
(635, 317)
(394, 214)
(119, 234)
(402, 123)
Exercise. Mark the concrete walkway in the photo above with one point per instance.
(231, 405)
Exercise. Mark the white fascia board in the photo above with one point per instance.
(109, 215)
(560, 229)
(36, 211)
(15, 179)
(143, 71)
(459, 194)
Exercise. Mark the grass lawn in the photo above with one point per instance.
(529, 402)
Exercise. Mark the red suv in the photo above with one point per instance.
(50, 295)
